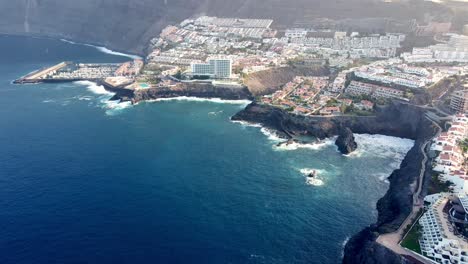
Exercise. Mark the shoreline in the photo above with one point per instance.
(392, 207)
(359, 245)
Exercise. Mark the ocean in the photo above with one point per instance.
(85, 180)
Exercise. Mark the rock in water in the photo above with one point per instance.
(345, 141)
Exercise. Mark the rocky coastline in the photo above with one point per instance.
(200, 90)
(397, 119)
(345, 141)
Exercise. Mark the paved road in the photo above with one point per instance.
(392, 240)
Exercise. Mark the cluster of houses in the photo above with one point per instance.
(451, 160)
(356, 88)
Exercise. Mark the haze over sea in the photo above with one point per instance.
(84, 180)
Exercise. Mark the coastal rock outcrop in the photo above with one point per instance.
(345, 141)
(397, 119)
(200, 90)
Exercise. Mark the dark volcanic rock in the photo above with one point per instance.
(397, 119)
(201, 90)
(345, 141)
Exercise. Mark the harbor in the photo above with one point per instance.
(70, 72)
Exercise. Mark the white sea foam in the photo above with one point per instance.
(68, 41)
(316, 181)
(215, 113)
(271, 134)
(197, 99)
(111, 107)
(314, 145)
(343, 245)
(116, 53)
(384, 176)
(382, 146)
(246, 124)
(94, 88)
(103, 49)
(85, 98)
(115, 107)
(393, 149)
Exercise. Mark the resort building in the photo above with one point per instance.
(359, 88)
(459, 101)
(356, 88)
(443, 227)
(455, 50)
(214, 68)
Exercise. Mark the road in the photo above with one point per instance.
(392, 240)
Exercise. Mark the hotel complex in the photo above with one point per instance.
(444, 224)
(455, 50)
(459, 101)
(444, 229)
(215, 68)
(359, 88)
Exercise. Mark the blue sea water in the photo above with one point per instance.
(84, 180)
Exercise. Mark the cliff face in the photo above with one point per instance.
(189, 90)
(397, 119)
(129, 24)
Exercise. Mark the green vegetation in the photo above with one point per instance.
(347, 108)
(332, 102)
(178, 75)
(463, 144)
(411, 240)
(437, 186)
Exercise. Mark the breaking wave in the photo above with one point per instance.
(197, 99)
(103, 49)
(271, 134)
(246, 124)
(382, 146)
(94, 88)
(314, 145)
(316, 181)
(111, 107)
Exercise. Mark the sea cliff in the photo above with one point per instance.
(201, 90)
(397, 119)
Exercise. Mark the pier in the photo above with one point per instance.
(40, 75)
(71, 72)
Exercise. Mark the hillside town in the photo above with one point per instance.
(367, 72)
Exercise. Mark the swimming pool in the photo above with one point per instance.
(144, 85)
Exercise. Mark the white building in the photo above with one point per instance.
(459, 101)
(440, 239)
(356, 88)
(219, 68)
(455, 50)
